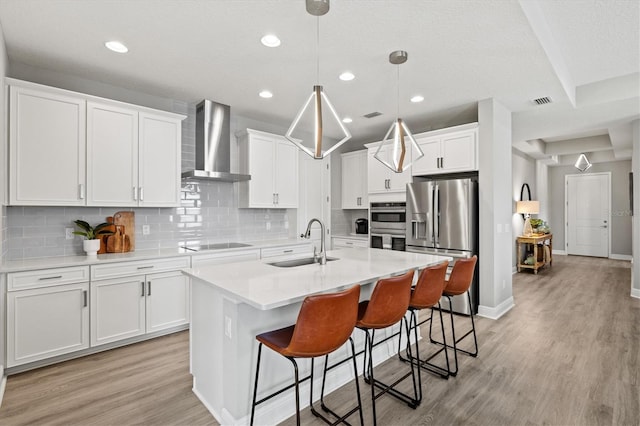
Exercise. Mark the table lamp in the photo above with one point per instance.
(527, 208)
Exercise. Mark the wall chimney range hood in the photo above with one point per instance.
(213, 144)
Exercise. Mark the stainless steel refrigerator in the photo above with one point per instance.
(442, 218)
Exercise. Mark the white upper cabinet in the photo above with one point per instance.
(354, 180)
(448, 151)
(73, 149)
(159, 159)
(112, 155)
(272, 162)
(382, 179)
(46, 148)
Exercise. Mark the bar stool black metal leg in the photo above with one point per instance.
(255, 386)
(297, 382)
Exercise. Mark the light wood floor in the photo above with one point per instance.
(568, 353)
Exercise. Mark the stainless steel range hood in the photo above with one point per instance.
(213, 144)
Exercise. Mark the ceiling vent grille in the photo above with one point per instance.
(372, 114)
(542, 101)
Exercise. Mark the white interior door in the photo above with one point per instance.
(315, 188)
(588, 207)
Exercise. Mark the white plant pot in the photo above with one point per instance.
(91, 247)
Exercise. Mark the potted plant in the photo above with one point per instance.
(91, 244)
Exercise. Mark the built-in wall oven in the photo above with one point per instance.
(388, 225)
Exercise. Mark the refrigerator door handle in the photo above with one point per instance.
(436, 215)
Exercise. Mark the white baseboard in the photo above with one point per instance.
(635, 292)
(498, 311)
(559, 252)
(621, 257)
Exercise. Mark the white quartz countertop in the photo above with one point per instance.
(82, 260)
(265, 286)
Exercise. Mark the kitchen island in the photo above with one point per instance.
(232, 303)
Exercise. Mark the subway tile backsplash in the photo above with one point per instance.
(208, 214)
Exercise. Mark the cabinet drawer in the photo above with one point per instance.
(46, 277)
(286, 250)
(349, 243)
(114, 270)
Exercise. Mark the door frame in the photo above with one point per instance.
(566, 208)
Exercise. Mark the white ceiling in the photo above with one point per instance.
(584, 54)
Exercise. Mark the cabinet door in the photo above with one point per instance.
(286, 175)
(46, 131)
(47, 322)
(159, 154)
(459, 152)
(429, 163)
(261, 168)
(117, 309)
(167, 303)
(354, 180)
(112, 155)
(377, 174)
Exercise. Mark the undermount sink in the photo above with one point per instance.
(298, 262)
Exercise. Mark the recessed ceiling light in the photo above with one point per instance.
(417, 98)
(347, 76)
(266, 94)
(116, 46)
(270, 40)
(347, 120)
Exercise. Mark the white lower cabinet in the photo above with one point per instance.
(46, 322)
(133, 304)
(117, 309)
(340, 242)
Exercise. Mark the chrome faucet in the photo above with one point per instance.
(322, 256)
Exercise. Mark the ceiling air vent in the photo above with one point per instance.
(542, 101)
(372, 114)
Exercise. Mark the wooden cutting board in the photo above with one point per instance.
(103, 238)
(128, 221)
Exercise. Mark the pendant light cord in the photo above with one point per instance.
(317, 50)
(398, 92)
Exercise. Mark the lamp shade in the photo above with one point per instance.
(528, 207)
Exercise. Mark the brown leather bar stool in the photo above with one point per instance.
(325, 322)
(459, 283)
(387, 306)
(426, 294)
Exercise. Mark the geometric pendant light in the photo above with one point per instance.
(318, 107)
(393, 151)
(582, 163)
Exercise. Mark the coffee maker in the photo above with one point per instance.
(362, 226)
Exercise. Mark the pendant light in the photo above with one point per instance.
(582, 163)
(393, 152)
(318, 101)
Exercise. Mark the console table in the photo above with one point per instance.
(535, 240)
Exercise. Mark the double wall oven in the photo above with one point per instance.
(388, 225)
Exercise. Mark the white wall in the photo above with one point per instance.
(496, 208)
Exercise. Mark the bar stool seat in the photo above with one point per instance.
(426, 295)
(387, 306)
(325, 322)
(459, 282)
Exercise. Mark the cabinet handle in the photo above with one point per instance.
(148, 288)
(135, 194)
(84, 298)
(142, 287)
(288, 251)
(273, 197)
(442, 162)
(277, 198)
(50, 278)
(145, 267)
(141, 194)
(349, 243)
(81, 191)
